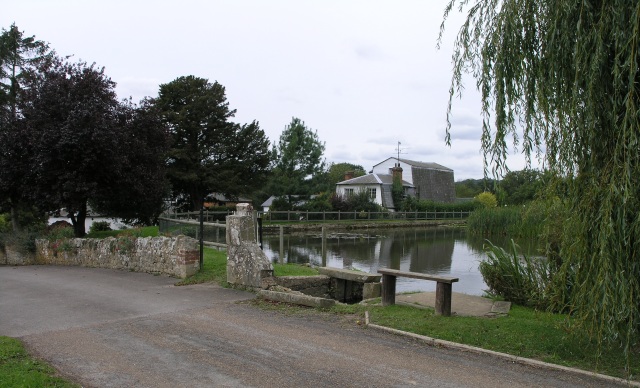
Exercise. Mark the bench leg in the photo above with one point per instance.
(388, 290)
(443, 299)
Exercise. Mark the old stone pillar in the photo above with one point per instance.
(247, 265)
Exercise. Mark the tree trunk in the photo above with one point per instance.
(79, 220)
(14, 218)
(196, 201)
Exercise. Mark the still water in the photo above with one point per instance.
(443, 251)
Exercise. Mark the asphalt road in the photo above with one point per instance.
(105, 328)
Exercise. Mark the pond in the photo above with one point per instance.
(442, 251)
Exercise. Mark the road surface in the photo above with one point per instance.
(106, 328)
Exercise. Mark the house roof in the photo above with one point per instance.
(387, 197)
(270, 200)
(413, 163)
(223, 198)
(373, 179)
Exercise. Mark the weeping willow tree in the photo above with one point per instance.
(559, 80)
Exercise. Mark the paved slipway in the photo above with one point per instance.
(105, 328)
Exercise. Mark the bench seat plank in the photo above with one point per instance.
(416, 275)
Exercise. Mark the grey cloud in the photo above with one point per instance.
(368, 52)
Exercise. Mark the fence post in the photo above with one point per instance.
(201, 237)
(259, 224)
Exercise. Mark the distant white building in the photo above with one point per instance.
(377, 185)
(427, 181)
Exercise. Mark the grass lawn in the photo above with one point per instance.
(146, 231)
(524, 333)
(215, 269)
(17, 369)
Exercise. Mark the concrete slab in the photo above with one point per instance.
(347, 274)
(296, 298)
(461, 304)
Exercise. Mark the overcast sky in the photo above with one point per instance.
(364, 74)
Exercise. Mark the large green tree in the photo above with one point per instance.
(209, 153)
(519, 187)
(337, 172)
(299, 161)
(19, 54)
(559, 79)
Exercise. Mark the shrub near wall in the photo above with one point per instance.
(174, 256)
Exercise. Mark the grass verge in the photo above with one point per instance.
(146, 231)
(214, 269)
(17, 369)
(525, 332)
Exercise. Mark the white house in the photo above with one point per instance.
(378, 186)
(432, 181)
(429, 181)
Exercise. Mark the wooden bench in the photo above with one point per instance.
(443, 288)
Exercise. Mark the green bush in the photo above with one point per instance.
(486, 199)
(320, 203)
(360, 201)
(520, 279)
(100, 226)
(5, 223)
(60, 233)
(23, 241)
(413, 204)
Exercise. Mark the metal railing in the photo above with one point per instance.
(303, 216)
(213, 233)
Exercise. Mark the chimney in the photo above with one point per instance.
(396, 172)
(348, 175)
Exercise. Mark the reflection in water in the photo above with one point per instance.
(443, 251)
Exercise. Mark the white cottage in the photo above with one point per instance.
(427, 181)
(378, 186)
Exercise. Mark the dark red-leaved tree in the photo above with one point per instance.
(87, 147)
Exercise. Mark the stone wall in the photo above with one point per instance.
(318, 286)
(434, 185)
(175, 256)
(9, 256)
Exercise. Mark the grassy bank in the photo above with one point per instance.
(215, 269)
(524, 332)
(18, 369)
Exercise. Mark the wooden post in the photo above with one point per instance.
(281, 244)
(388, 290)
(443, 299)
(324, 246)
